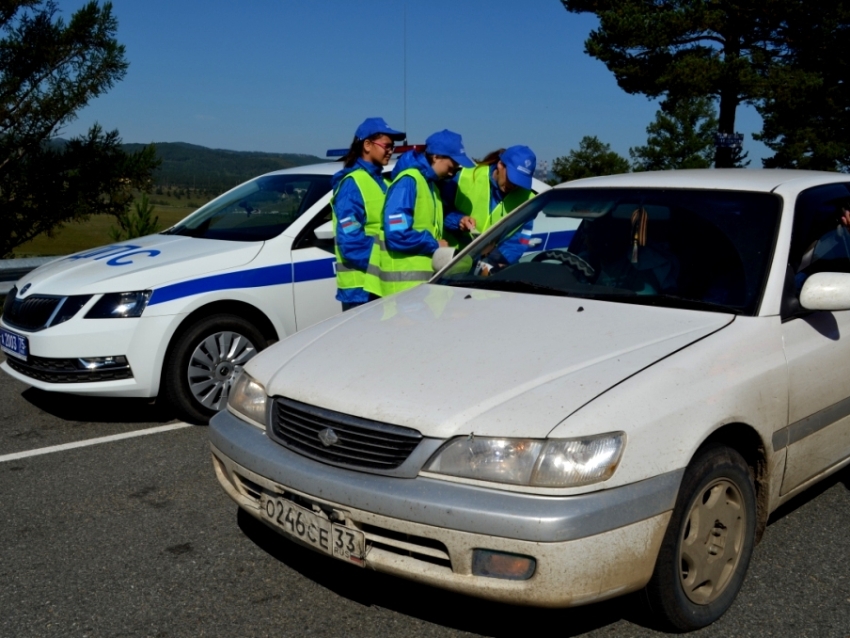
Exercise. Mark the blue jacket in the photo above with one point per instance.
(401, 198)
(510, 249)
(354, 244)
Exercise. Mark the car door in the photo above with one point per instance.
(314, 274)
(817, 344)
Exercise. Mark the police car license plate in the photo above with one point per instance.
(310, 528)
(14, 345)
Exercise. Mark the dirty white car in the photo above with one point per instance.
(618, 413)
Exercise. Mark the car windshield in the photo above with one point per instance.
(255, 211)
(699, 249)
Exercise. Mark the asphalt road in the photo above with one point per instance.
(135, 538)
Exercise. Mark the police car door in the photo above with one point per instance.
(313, 274)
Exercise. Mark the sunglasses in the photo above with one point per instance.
(388, 148)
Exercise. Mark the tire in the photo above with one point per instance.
(708, 544)
(202, 362)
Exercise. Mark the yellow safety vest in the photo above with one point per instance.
(393, 271)
(373, 199)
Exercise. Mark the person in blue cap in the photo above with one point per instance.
(413, 215)
(359, 190)
(482, 195)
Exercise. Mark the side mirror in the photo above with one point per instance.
(826, 291)
(325, 232)
(442, 257)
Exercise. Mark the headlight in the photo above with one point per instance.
(248, 399)
(116, 305)
(534, 462)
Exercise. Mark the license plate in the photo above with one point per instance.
(13, 344)
(310, 528)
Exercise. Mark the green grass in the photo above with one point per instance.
(93, 232)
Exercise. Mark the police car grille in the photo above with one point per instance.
(360, 442)
(31, 313)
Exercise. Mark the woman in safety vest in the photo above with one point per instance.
(359, 190)
(483, 195)
(413, 215)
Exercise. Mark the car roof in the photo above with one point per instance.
(765, 180)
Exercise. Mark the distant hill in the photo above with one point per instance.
(211, 170)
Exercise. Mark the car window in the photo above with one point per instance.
(819, 242)
(257, 210)
(690, 248)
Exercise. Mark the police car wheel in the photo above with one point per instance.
(203, 362)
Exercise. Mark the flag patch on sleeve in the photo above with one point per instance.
(399, 222)
(525, 237)
(349, 225)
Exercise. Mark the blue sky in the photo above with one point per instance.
(299, 75)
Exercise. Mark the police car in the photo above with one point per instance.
(179, 313)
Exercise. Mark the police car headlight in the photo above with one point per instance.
(533, 462)
(247, 400)
(117, 305)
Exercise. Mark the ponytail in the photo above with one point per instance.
(490, 158)
(355, 152)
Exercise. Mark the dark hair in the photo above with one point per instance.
(355, 151)
(490, 158)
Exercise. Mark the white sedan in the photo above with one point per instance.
(179, 313)
(622, 410)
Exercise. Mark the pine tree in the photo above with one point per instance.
(682, 136)
(49, 69)
(592, 158)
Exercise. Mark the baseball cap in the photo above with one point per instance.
(450, 144)
(520, 162)
(375, 125)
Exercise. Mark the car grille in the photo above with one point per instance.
(359, 442)
(31, 313)
(66, 370)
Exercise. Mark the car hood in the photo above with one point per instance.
(137, 264)
(450, 361)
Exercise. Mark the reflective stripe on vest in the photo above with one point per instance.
(396, 271)
(373, 200)
(473, 197)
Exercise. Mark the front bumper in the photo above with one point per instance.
(142, 341)
(587, 547)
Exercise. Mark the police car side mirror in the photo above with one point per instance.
(826, 291)
(325, 232)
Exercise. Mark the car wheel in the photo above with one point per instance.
(708, 543)
(203, 362)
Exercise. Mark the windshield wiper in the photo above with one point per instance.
(508, 285)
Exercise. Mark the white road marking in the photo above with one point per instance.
(88, 442)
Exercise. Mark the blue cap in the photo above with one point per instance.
(449, 144)
(375, 125)
(520, 162)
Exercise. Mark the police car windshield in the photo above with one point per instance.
(255, 211)
(684, 248)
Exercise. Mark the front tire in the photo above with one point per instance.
(708, 543)
(203, 361)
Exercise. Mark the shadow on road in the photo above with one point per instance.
(435, 605)
(70, 407)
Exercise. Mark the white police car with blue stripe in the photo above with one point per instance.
(179, 313)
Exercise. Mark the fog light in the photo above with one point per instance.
(98, 363)
(492, 564)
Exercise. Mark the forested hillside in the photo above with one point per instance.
(208, 172)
